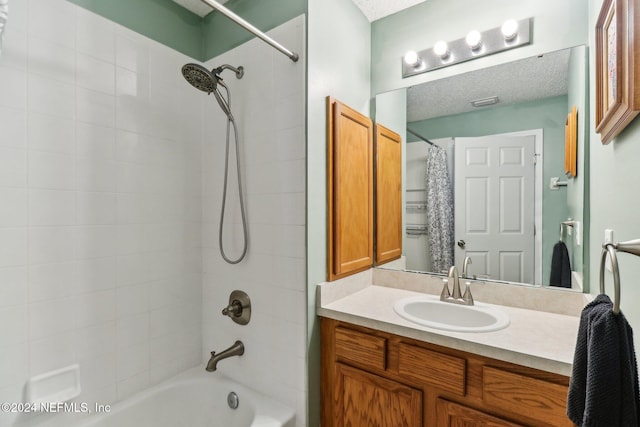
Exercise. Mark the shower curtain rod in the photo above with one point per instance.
(420, 136)
(252, 29)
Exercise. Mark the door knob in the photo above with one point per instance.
(461, 243)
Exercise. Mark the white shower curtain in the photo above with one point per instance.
(439, 210)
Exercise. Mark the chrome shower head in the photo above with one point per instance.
(200, 78)
(207, 81)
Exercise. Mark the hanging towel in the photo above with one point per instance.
(603, 390)
(439, 210)
(560, 266)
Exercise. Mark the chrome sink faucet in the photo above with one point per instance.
(456, 296)
(237, 349)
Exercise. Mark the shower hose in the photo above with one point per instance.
(231, 122)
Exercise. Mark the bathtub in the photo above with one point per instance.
(194, 398)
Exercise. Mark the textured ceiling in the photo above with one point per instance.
(519, 81)
(376, 9)
(372, 9)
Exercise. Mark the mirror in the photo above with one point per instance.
(526, 124)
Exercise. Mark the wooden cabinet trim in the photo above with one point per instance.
(451, 414)
(361, 349)
(434, 368)
(519, 394)
(367, 399)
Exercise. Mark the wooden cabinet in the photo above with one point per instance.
(350, 190)
(373, 378)
(388, 195)
(365, 399)
(451, 414)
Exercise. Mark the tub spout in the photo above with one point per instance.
(237, 349)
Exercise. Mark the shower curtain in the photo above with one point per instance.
(439, 210)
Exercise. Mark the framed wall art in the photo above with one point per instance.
(571, 144)
(617, 67)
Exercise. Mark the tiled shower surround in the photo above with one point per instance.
(110, 178)
(268, 103)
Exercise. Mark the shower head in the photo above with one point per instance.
(207, 81)
(200, 78)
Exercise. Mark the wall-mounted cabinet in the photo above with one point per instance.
(388, 195)
(349, 190)
(352, 166)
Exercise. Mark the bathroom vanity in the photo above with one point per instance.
(379, 369)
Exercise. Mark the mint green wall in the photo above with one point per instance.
(615, 201)
(547, 114)
(220, 34)
(338, 64)
(161, 20)
(557, 25)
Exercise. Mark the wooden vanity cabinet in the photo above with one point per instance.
(373, 378)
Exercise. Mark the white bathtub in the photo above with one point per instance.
(195, 398)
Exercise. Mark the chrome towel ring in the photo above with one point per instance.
(610, 249)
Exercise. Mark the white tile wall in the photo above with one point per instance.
(268, 103)
(100, 205)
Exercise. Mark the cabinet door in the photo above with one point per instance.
(388, 190)
(350, 190)
(367, 400)
(455, 415)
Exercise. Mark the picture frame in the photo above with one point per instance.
(571, 144)
(617, 67)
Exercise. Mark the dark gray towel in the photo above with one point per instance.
(560, 266)
(603, 390)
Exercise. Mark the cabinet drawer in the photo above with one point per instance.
(439, 370)
(519, 394)
(360, 348)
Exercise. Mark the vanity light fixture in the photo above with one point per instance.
(476, 44)
(474, 39)
(441, 49)
(509, 29)
(411, 58)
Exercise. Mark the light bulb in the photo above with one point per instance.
(510, 29)
(474, 39)
(411, 58)
(441, 49)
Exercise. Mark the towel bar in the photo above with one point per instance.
(631, 247)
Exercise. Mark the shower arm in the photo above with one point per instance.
(252, 29)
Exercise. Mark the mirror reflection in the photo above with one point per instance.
(482, 149)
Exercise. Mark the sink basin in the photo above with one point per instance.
(428, 310)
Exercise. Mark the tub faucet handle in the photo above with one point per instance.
(239, 308)
(233, 309)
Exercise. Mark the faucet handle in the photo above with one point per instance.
(467, 297)
(239, 308)
(445, 290)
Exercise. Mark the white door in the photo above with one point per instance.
(494, 206)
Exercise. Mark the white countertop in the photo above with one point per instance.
(536, 339)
